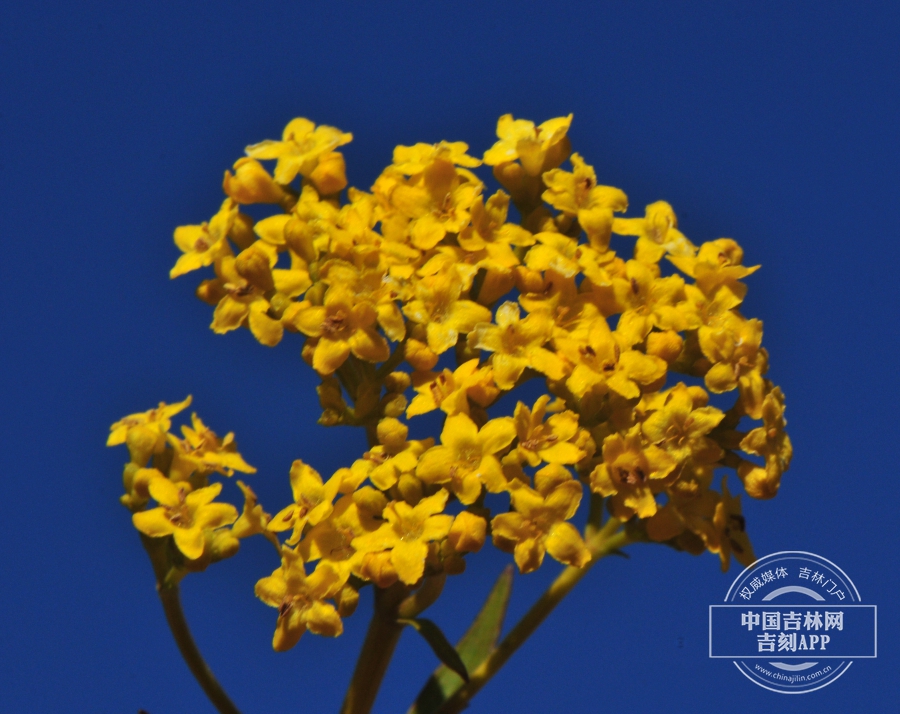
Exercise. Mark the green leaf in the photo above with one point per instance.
(474, 647)
(439, 643)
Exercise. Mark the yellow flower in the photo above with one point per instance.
(645, 300)
(689, 511)
(538, 522)
(550, 441)
(354, 515)
(657, 234)
(561, 254)
(438, 307)
(145, 432)
(300, 600)
(490, 232)
(253, 520)
(731, 530)
(771, 442)
(601, 364)
(202, 245)
(343, 325)
(418, 158)
(681, 429)
(245, 281)
(578, 194)
(251, 183)
(184, 514)
(312, 500)
(738, 360)
(451, 391)
(717, 264)
(394, 455)
(632, 473)
(407, 533)
(301, 145)
(203, 451)
(517, 344)
(466, 458)
(521, 139)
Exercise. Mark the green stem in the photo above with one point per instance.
(601, 545)
(171, 603)
(378, 647)
(167, 588)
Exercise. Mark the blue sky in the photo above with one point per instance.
(772, 123)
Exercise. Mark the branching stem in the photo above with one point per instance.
(601, 545)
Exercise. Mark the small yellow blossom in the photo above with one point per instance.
(657, 233)
(451, 391)
(354, 515)
(521, 139)
(466, 458)
(550, 441)
(602, 364)
(202, 245)
(301, 145)
(184, 514)
(145, 432)
(253, 519)
(394, 456)
(312, 500)
(300, 599)
(738, 360)
(717, 264)
(731, 531)
(517, 344)
(538, 522)
(407, 533)
(417, 158)
(343, 326)
(438, 306)
(245, 280)
(681, 429)
(251, 183)
(578, 194)
(632, 473)
(202, 450)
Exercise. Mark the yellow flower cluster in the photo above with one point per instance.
(387, 286)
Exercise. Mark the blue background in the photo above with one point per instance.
(773, 123)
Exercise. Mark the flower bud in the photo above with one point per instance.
(330, 175)
(397, 382)
(410, 488)
(253, 266)
(758, 482)
(665, 345)
(224, 545)
(347, 600)
(467, 533)
(393, 405)
(392, 432)
(143, 443)
(299, 239)
(377, 567)
(330, 396)
(420, 355)
(251, 183)
(211, 291)
(241, 231)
